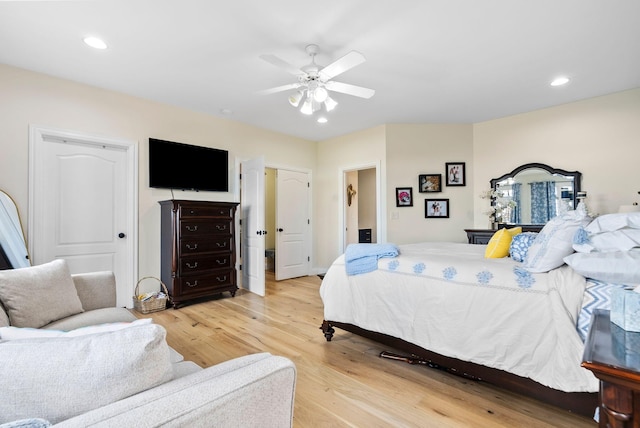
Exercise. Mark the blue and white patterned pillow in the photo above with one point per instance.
(597, 295)
(520, 245)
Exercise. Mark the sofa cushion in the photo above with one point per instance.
(58, 378)
(38, 295)
(16, 333)
(96, 316)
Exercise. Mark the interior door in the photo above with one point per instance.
(292, 224)
(253, 225)
(81, 207)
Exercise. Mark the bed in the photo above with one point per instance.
(518, 322)
(487, 319)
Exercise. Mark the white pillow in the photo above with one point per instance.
(61, 377)
(611, 222)
(16, 333)
(618, 240)
(620, 267)
(555, 241)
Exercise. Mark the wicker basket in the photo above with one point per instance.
(153, 304)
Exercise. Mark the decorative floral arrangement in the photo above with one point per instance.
(500, 210)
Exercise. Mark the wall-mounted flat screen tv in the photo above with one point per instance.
(187, 167)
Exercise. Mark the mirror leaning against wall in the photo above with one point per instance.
(13, 247)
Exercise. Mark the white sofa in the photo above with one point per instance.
(127, 376)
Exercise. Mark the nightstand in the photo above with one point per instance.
(479, 236)
(613, 355)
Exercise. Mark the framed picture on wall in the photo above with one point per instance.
(404, 196)
(455, 174)
(436, 208)
(430, 183)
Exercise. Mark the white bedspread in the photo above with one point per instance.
(449, 299)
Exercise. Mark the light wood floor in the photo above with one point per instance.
(343, 383)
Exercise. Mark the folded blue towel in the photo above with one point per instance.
(363, 258)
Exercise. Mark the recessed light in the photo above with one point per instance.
(322, 119)
(559, 81)
(95, 42)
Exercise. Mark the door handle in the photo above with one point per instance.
(280, 229)
(121, 235)
(261, 232)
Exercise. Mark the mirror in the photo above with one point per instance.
(13, 248)
(534, 193)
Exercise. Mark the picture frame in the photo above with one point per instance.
(436, 208)
(455, 173)
(429, 183)
(404, 196)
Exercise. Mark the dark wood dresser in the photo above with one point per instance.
(198, 251)
(613, 355)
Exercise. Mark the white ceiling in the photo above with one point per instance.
(447, 61)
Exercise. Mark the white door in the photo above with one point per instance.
(82, 197)
(253, 225)
(292, 224)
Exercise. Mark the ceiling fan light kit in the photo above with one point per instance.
(314, 83)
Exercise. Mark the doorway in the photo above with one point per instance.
(276, 223)
(362, 214)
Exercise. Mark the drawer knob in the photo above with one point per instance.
(190, 284)
(221, 226)
(192, 247)
(221, 244)
(195, 265)
(221, 279)
(192, 228)
(221, 262)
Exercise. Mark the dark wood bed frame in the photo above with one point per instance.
(583, 403)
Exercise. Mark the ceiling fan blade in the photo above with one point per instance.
(280, 89)
(284, 65)
(346, 88)
(341, 65)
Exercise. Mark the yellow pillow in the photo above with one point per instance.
(499, 243)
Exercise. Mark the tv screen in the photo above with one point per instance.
(187, 167)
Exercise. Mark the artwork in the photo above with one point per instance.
(455, 174)
(430, 183)
(404, 196)
(436, 208)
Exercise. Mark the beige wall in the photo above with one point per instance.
(414, 149)
(600, 137)
(350, 152)
(30, 98)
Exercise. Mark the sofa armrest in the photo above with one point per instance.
(252, 391)
(96, 290)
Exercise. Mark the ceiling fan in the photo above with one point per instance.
(314, 82)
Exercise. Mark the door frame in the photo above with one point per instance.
(276, 166)
(40, 134)
(380, 203)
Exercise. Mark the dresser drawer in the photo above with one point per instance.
(212, 244)
(192, 265)
(205, 227)
(205, 211)
(203, 283)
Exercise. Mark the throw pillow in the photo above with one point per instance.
(37, 295)
(61, 377)
(520, 245)
(555, 241)
(15, 333)
(499, 243)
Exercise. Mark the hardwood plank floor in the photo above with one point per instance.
(343, 383)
